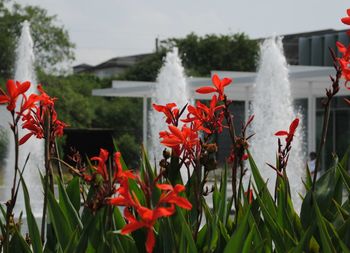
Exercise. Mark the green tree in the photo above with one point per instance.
(145, 70)
(200, 55)
(52, 45)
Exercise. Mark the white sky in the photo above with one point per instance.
(109, 28)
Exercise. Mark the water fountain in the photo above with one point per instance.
(273, 110)
(170, 88)
(24, 71)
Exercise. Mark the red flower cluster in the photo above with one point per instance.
(148, 217)
(344, 61)
(181, 140)
(14, 90)
(170, 111)
(34, 110)
(117, 175)
(208, 119)
(114, 190)
(199, 118)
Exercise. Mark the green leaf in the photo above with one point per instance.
(262, 189)
(324, 192)
(274, 229)
(67, 208)
(304, 241)
(18, 244)
(342, 245)
(212, 231)
(72, 242)
(236, 242)
(248, 241)
(60, 224)
(186, 231)
(32, 225)
(326, 240)
(73, 191)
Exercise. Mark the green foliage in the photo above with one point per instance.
(265, 225)
(200, 55)
(52, 45)
(79, 109)
(145, 70)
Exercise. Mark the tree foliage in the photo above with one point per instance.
(145, 70)
(200, 55)
(52, 45)
(78, 108)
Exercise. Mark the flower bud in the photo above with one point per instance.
(166, 153)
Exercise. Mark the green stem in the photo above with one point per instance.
(11, 203)
(47, 174)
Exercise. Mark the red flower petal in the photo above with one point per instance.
(206, 90)
(118, 201)
(293, 126)
(163, 212)
(165, 187)
(170, 142)
(25, 138)
(281, 133)
(226, 81)
(11, 88)
(179, 188)
(23, 87)
(4, 99)
(216, 81)
(245, 157)
(150, 242)
(181, 202)
(346, 20)
(128, 228)
(341, 47)
(158, 108)
(177, 132)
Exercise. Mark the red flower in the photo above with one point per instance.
(33, 116)
(249, 195)
(171, 195)
(148, 218)
(119, 173)
(32, 122)
(346, 20)
(124, 197)
(185, 137)
(101, 166)
(345, 51)
(293, 126)
(207, 116)
(170, 111)
(45, 99)
(245, 157)
(219, 86)
(14, 90)
(344, 65)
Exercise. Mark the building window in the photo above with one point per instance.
(338, 134)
